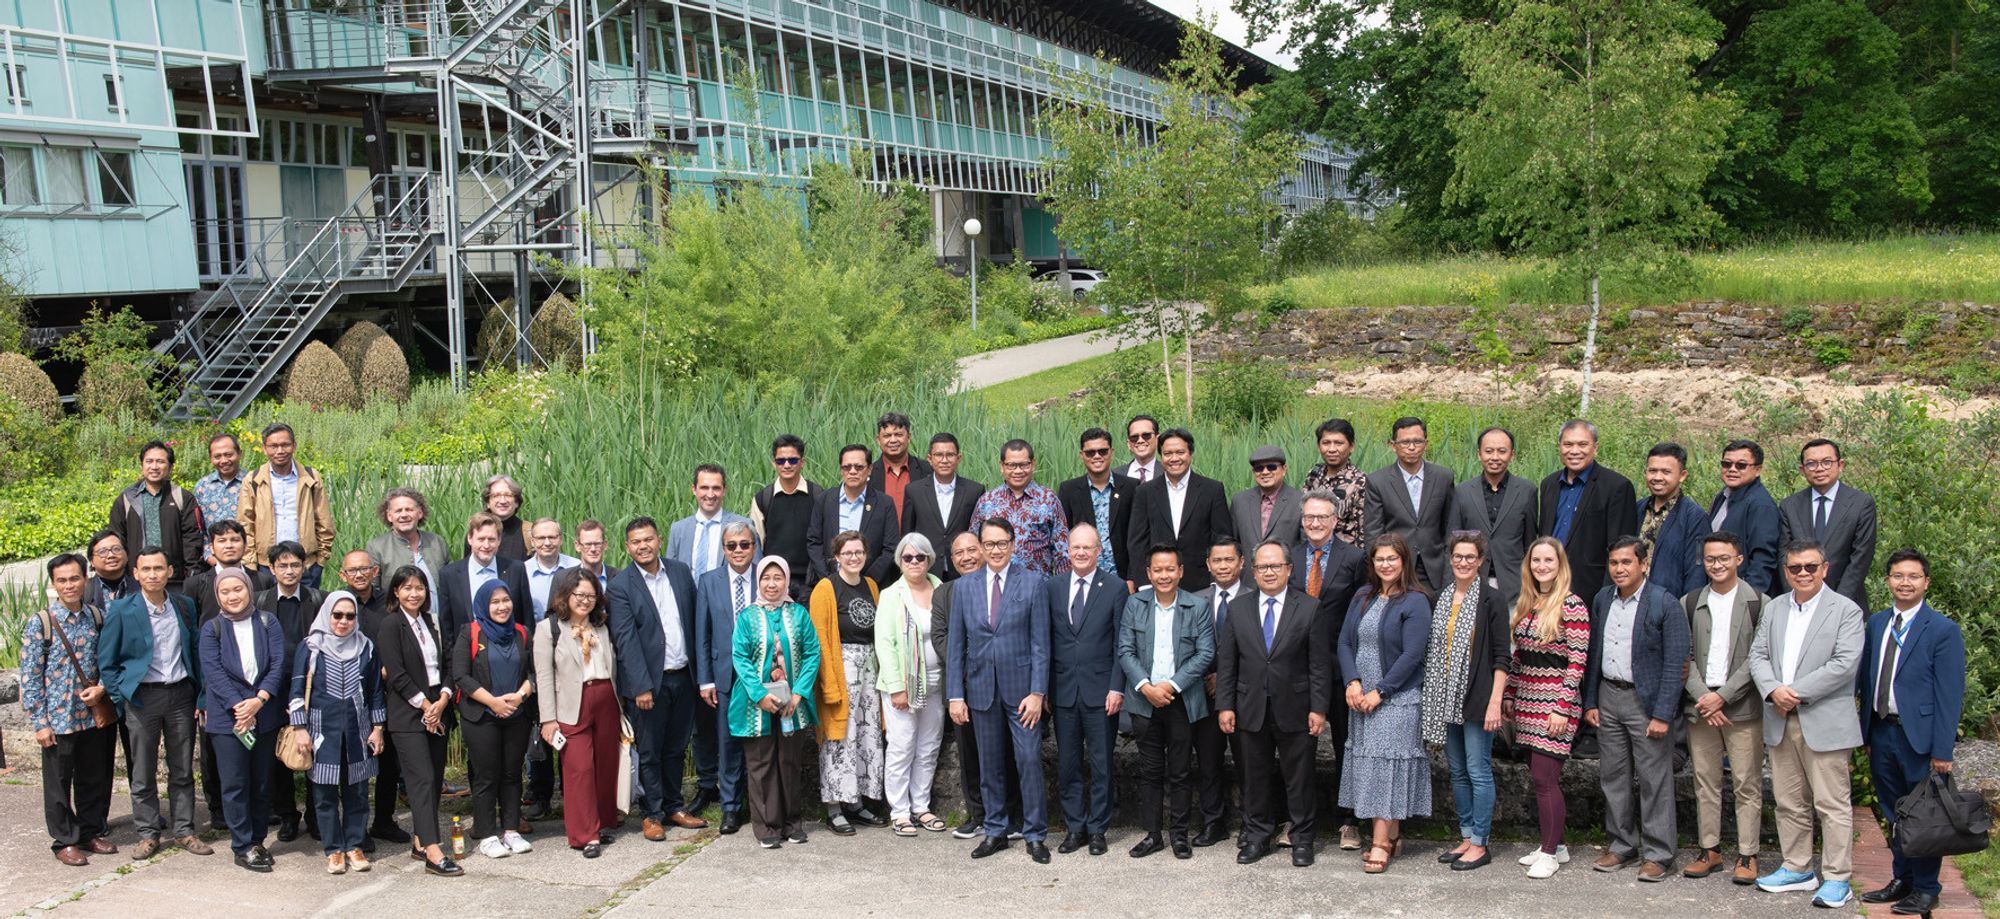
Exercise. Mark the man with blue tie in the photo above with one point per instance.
(696, 541)
(1838, 516)
(997, 678)
(1912, 686)
(1274, 685)
(719, 595)
(652, 626)
(1083, 608)
(1166, 645)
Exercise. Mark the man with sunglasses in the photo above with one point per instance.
(782, 512)
(1838, 516)
(720, 594)
(1102, 497)
(1268, 510)
(1805, 658)
(1142, 437)
(1743, 507)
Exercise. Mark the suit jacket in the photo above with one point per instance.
(1740, 702)
(125, 646)
(1675, 561)
(1074, 495)
(1659, 650)
(1607, 510)
(681, 537)
(300, 622)
(921, 514)
(1929, 685)
(454, 589)
(715, 626)
(223, 681)
(1284, 684)
(1204, 518)
(1246, 512)
(920, 469)
(879, 532)
(559, 672)
(1753, 517)
(1129, 470)
(941, 621)
(635, 626)
(1001, 662)
(1083, 657)
(1850, 536)
(1507, 537)
(472, 672)
(1389, 511)
(403, 672)
(1829, 666)
(1194, 652)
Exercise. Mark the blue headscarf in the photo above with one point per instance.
(503, 654)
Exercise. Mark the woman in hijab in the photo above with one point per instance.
(495, 669)
(578, 702)
(416, 669)
(242, 657)
(342, 715)
(775, 651)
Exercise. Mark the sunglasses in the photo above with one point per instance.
(1266, 467)
(1736, 465)
(786, 460)
(1803, 567)
(853, 467)
(913, 559)
(739, 544)
(1139, 438)
(1098, 453)
(337, 617)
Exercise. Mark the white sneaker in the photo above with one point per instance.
(1561, 856)
(1544, 867)
(492, 847)
(516, 843)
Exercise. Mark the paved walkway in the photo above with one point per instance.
(983, 370)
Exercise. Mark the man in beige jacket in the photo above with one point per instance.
(285, 500)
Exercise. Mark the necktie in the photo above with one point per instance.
(1885, 678)
(1264, 514)
(993, 604)
(1721, 512)
(1819, 519)
(1076, 602)
(701, 549)
(1313, 576)
(1221, 605)
(1142, 474)
(737, 592)
(1270, 622)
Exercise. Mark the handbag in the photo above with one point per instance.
(1936, 819)
(288, 736)
(103, 714)
(626, 741)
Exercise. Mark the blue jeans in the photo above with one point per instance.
(1469, 750)
(343, 813)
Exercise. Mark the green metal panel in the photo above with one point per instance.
(1038, 233)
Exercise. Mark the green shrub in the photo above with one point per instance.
(318, 378)
(384, 373)
(495, 345)
(1244, 391)
(51, 514)
(1134, 385)
(1830, 351)
(556, 333)
(112, 387)
(29, 445)
(353, 344)
(112, 347)
(29, 387)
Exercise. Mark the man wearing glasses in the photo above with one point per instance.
(720, 594)
(1413, 497)
(1269, 509)
(939, 505)
(782, 512)
(856, 506)
(1723, 711)
(1041, 529)
(1743, 507)
(1805, 657)
(1142, 435)
(1840, 517)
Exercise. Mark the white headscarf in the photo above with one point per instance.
(321, 638)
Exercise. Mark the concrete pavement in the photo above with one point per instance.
(982, 370)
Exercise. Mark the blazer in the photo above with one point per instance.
(559, 672)
(1406, 638)
(1492, 649)
(1607, 510)
(635, 627)
(255, 509)
(1388, 510)
(454, 589)
(1194, 652)
(1343, 570)
(1284, 684)
(222, 674)
(125, 646)
(180, 528)
(941, 622)
(1739, 702)
(715, 626)
(300, 622)
(1675, 560)
(1508, 536)
(472, 672)
(1753, 517)
(1204, 519)
(879, 532)
(920, 469)
(1074, 496)
(921, 514)
(1083, 656)
(201, 589)
(1002, 661)
(1659, 650)
(1850, 536)
(1929, 685)
(1829, 666)
(1246, 513)
(403, 672)
(392, 553)
(681, 537)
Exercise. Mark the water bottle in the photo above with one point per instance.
(457, 838)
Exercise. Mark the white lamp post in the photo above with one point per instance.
(972, 229)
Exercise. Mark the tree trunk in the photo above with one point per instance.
(1187, 359)
(1166, 355)
(1589, 345)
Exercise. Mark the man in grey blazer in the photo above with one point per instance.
(1166, 645)
(1501, 505)
(1804, 659)
(1270, 508)
(1838, 516)
(1412, 497)
(696, 540)
(1724, 713)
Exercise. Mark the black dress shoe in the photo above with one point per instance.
(1181, 847)
(1038, 851)
(1098, 845)
(1447, 857)
(1892, 892)
(1471, 864)
(389, 833)
(535, 810)
(988, 846)
(1211, 834)
(1148, 845)
(703, 797)
(1251, 853)
(444, 868)
(731, 822)
(1071, 842)
(1916, 904)
(1302, 856)
(592, 850)
(288, 830)
(256, 860)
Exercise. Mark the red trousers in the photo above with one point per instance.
(590, 766)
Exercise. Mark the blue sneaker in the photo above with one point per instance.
(1785, 879)
(1832, 895)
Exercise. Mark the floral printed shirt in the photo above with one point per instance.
(48, 679)
(1041, 532)
(1349, 488)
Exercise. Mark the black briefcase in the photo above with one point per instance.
(1936, 819)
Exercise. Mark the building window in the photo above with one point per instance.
(17, 176)
(114, 94)
(114, 178)
(64, 175)
(17, 85)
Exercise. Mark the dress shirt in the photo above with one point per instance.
(1177, 498)
(1569, 494)
(246, 647)
(1414, 481)
(1899, 621)
(540, 579)
(477, 573)
(1618, 635)
(1100, 509)
(895, 482)
(850, 511)
(1832, 496)
(166, 666)
(285, 506)
(1721, 613)
(1278, 618)
(706, 553)
(1494, 494)
(430, 651)
(670, 618)
(946, 493)
(1163, 646)
(1146, 471)
(1795, 635)
(1722, 509)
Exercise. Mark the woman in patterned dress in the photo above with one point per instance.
(1545, 688)
(1382, 647)
(851, 745)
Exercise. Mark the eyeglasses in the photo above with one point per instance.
(339, 617)
(1803, 567)
(1098, 453)
(1902, 577)
(1266, 467)
(1818, 464)
(584, 592)
(1736, 465)
(1410, 443)
(1465, 559)
(1140, 437)
(1271, 569)
(941, 455)
(358, 571)
(1316, 518)
(1389, 560)
(786, 460)
(996, 543)
(853, 467)
(109, 552)
(914, 558)
(1018, 466)
(736, 544)
(598, 544)
(851, 553)
(1718, 561)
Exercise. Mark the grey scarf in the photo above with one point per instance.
(1448, 665)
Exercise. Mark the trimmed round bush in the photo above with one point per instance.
(494, 345)
(30, 387)
(557, 333)
(385, 372)
(353, 344)
(319, 379)
(109, 387)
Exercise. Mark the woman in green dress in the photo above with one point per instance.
(776, 654)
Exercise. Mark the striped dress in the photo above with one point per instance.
(1547, 678)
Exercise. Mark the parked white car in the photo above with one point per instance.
(1081, 280)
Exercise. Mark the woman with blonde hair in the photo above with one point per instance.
(1544, 693)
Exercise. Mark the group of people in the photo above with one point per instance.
(849, 626)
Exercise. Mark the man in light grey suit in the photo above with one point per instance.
(1501, 505)
(1270, 508)
(1807, 651)
(696, 540)
(1838, 516)
(1412, 497)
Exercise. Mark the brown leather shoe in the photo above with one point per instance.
(1652, 871)
(653, 830)
(1612, 861)
(1746, 870)
(72, 856)
(194, 846)
(686, 821)
(102, 846)
(1705, 864)
(147, 848)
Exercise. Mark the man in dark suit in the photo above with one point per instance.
(1840, 517)
(1180, 508)
(1501, 505)
(296, 605)
(1743, 507)
(1671, 523)
(1083, 608)
(1341, 569)
(1631, 693)
(461, 579)
(1142, 437)
(1103, 498)
(719, 595)
(858, 507)
(1274, 685)
(652, 626)
(1412, 497)
(997, 678)
(1211, 770)
(1587, 507)
(967, 557)
(1270, 508)
(1166, 647)
(1912, 685)
(896, 470)
(940, 505)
